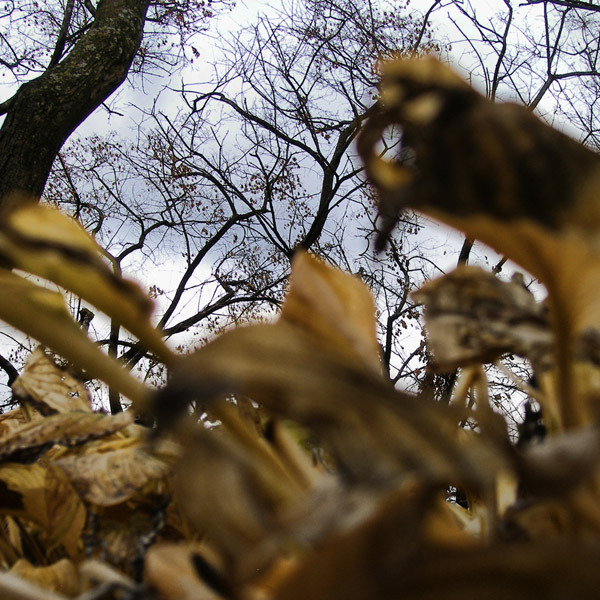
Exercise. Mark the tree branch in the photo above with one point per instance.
(59, 47)
(9, 369)
(566, 3)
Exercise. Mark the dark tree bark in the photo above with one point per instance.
(45, 111)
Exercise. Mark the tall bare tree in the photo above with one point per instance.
(255, 164)
(62, 59)
(67, 58)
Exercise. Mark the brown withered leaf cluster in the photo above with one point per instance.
(312, 476)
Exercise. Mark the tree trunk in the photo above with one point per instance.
(45, 111)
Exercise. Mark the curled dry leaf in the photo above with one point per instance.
(60, 577)
(476, 158)
(473, 317)
(502, 176)
(27, 442)
(52, 390)
(40, 495)
(43, 241)
(112, 477)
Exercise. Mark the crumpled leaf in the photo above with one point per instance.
(109, 478)
(60, 576)
(502, 176)
(11, 420)
(40, 495)
(53, 390)
(474, 157)
(41, 313)
(334, 307)
(41, 240)
(473, 317)
(27, 442)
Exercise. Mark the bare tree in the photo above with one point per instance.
(67, 58)
(253, 166)
(62, 59)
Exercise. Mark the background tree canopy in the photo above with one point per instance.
(212, 184)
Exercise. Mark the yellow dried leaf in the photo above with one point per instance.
(333, 306)
(41, 240)
(13, 587)
(69, 429)
(109, 478)
(66, 514)
(11, 420)
(42, 496)
(41, 313)
(22, 492)
(52, 389)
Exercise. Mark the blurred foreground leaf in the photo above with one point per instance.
(43, 241)
(41, 313)
(334, 307)
(504, 177)
(60, 577)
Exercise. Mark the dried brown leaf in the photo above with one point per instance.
(109, 478)
(53, 390)
(473, 317)
(247, 528)
(375, 434)
(11, 420)
(163, 560)
(336, 308)
(41, 313)
(359, 564)
(41, 240)
(475, 158)
(66, 515)
(13, 587)
(502, 176)
(40, 495)
(27, 442)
